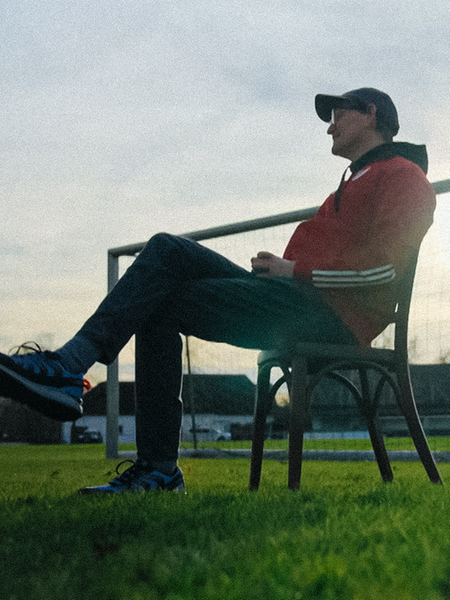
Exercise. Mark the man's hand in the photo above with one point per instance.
(266, 264)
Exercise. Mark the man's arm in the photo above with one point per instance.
(266, 264)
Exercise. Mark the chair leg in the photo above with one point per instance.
(408, 406)
(298, 420)
(262, 408)
(375, 433)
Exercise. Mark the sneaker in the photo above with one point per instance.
(139, 478)
(39, 380)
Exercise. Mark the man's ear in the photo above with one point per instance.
(372, 111)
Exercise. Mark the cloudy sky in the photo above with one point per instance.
(121, 118)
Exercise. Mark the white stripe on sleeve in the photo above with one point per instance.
(345, 279)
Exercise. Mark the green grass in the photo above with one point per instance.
(345, 535)
(437, 444)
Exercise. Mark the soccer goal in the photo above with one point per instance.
(333, 418)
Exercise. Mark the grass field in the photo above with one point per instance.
(345, 535)
(436, 444)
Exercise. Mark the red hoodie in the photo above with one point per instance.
(362, 236)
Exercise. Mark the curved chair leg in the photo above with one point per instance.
(408, 406)
(298, 420)
(262, 408)
(376, 435)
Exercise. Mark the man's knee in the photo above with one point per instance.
(160, 243)
(162, 238)
(164, 249)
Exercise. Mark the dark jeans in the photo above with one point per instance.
(178, 286)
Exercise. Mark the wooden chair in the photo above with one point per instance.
(304, 367)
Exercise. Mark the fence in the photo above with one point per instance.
(430, 312)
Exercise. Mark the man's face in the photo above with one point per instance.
(350, 130)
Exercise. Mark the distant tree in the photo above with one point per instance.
(444, 357)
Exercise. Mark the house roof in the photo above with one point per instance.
(219, 394)
(431, 386)
(234, 394)
(215, 394)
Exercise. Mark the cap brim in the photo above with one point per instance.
(325, 104)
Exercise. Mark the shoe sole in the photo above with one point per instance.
(46, 400)
(102, 492)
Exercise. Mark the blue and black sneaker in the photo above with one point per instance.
(140, 477)
(39, 380)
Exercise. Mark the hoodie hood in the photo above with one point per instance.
(414, 153)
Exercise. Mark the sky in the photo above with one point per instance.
(122, 118)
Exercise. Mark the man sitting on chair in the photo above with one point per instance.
(335, 283)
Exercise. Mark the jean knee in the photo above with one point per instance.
(160, 243)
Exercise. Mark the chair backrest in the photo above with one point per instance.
(404, 294)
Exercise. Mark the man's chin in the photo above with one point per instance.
(338, 151)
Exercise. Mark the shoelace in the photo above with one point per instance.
(124, 462)
(32, 347)
(127, 475)
(25, 348)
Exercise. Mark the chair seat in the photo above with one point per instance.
(331, 352)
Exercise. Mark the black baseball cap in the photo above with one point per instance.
(359, 100)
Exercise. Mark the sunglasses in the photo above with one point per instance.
(359, 106)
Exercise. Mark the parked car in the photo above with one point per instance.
(85, 435)
(204, 434)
